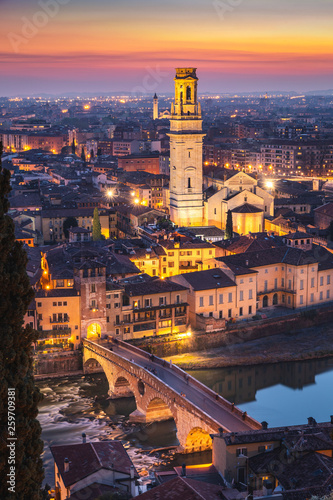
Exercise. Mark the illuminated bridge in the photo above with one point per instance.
(163, 391)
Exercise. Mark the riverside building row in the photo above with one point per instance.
(87, 290)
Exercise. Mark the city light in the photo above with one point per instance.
(136, 201)
(269, 184)
(110, 193)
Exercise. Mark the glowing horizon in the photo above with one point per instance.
(115, 45)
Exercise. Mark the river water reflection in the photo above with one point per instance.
(281, 394)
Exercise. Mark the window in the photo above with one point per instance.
(162, 301)
(321, 296)
(189, 183)
(250, 294)
(282, 282)
(283, 298)
(321, 280)
(201, 302)
(40, 316)
(328, 280)
(65, 303)
(241, 295)
(59, 283)
(266, 271)
(93, 288)
(312, 283)
(251, 280)
(301, 299)
(117, 319)
(39, 304)
(147, 302)
(220, 314)
(312, 297)
(265, 285)
(117, 304)
(241, 451)
(229, 313)
(302, 271)
(230, 297)
(117, 331)
(214, 211)
(108, 306)
(250, 309)
(301, 285)
(241, 311)
(59, 304)
(327, 294)
(241, 281)
(221, 298)
(289, 299)
(108, 319)
(289, 284)
(275, 283)
(211, 300)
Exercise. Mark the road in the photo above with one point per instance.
(204, 401)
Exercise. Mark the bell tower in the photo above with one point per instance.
(186, 198)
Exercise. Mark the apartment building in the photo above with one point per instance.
(297, 275)
(216, 296)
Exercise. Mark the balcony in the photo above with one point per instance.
(60, 319)
(64, 333)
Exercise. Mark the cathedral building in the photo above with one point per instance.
(186, 193)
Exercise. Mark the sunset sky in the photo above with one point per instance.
(133, 45)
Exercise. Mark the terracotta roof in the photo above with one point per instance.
(93, 491)
(247, 208)
(298, 235)
(286, 255)
(87, 458)
(207, 280)
(181, 488)
(153, 286)
(326, 209)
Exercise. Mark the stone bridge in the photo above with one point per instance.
(163, 391)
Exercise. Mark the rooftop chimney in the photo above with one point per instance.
(221, 431)
(66, 465)
(264, 425)
(84, 439)
(184, 470)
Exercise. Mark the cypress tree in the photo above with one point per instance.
(97, 230)
(83, 155)
(73, 147)
(228, 228)
(16, 367)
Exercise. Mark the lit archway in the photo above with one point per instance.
(198, 440)
(94, 331)
(158, 410)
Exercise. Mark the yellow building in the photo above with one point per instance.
(143, 307)
(294, 276)
(216, 296)
(170, 258)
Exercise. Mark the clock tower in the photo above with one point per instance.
(186, 197)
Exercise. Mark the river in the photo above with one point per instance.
(281, 394)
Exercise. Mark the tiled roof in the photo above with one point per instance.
(153, 286)
(247, 208)
(286, 255)
(93, 491)
(181, 488)
(326, 209)
(207, 280)
(87, 458)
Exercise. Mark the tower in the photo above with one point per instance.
(155, 108)
(186, 200)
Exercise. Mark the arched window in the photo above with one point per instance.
(265, 301)
(188, 93)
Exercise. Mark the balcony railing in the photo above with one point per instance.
(60, 319)
(54, 334)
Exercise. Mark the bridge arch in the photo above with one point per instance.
(158, 410)
(122, 388)
(198, 440)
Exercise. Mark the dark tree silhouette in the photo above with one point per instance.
(228, 228)
(19, 396)
(68, 223)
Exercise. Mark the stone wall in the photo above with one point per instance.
(236, 334)
(57, 364)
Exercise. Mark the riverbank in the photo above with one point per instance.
(310, 343)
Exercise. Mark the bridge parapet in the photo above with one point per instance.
(195, 383)
(156, 400)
